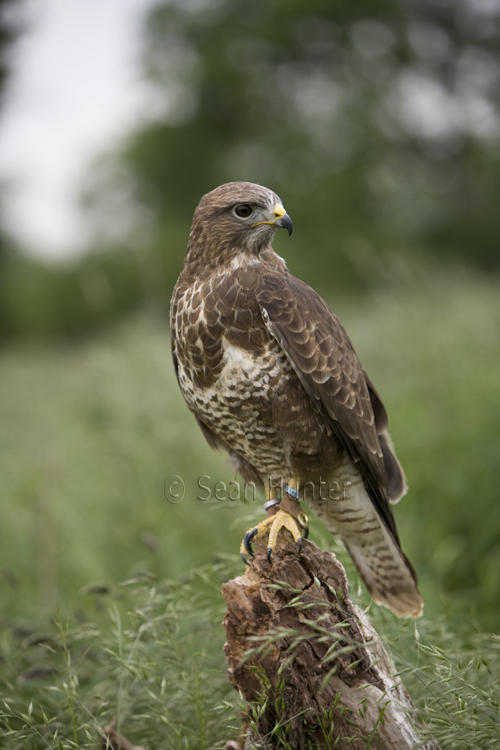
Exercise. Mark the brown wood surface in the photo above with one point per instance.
(304, 602)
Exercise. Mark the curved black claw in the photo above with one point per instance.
(306, 532)
(244, 558)
(247, 541)
(300, 545)
(269, 554)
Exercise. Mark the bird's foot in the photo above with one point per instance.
(272, 525)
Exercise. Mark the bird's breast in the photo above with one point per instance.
(237, 379)
(239, 397)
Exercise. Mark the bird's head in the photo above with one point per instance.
(236, 218)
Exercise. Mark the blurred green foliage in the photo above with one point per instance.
(42, 302)
(378, 124)
(91, 433)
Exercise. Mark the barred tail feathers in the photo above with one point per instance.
(388, 577)
(386, 572)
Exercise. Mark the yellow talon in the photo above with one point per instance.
(273, 525)
(258, 530)
(282, 520)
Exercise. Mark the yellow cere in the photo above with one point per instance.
(278, 211)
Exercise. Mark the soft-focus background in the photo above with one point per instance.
(379, 126)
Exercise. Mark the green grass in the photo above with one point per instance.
(161, 671)
(89, 436)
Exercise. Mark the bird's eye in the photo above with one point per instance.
(243, 211)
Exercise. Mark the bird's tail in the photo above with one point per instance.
(388, 576)
(387, 573)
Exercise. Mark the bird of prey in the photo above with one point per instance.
(272, 377)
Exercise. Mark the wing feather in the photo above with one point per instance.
(324, 360)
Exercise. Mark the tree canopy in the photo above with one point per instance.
(378, 125)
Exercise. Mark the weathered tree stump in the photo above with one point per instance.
(308, 662)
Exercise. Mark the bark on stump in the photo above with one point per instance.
(316, 630)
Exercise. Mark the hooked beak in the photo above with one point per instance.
(286, 223)
(282, 218)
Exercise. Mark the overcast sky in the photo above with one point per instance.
(74, 88)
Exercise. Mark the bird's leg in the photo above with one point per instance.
(272, 501)
(289, 516)
(291, 504)
(286, 514)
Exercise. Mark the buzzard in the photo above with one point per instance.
(272, 377)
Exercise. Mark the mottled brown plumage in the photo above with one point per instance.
(272, 377)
